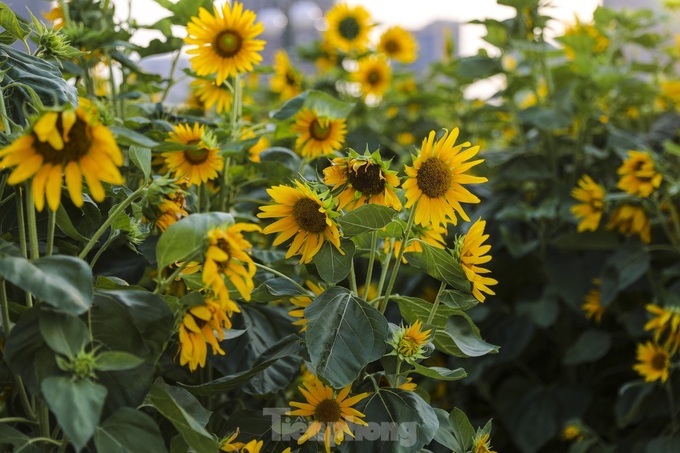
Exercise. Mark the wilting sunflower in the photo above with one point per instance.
(638, 175)
(436, 180)
(200, 162)
(330, 413)
(374, 75)
(225, 41)
(363, 180)
(653, 362)
(630, 219)
(301, 302)
(227, 257)
(410, 342)
(304, 216)
(398, 44)
(665, 323)
(171, 209)
(432, 234)
(482, 443)
(593, 303)
(589, 211)
(71, 142)
(210, 95)
(348, 28)
(319, 135)
(286, 81)
(471, 254)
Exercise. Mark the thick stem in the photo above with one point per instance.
(34, 249)
(371, 261)
(353, 279)
(435, 305)
(395, 270)
(671, 406)
(51, 225)
(22, 232)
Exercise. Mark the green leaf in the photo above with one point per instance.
(466, 335)
(141, 157)
(663, 445)
(290, 108)
(462, 428)
(445, 434)
(77, 404)
(623, 268)
(369, 217)
(283, 287)
(183, 10)
(129, 431)
(128, 137)
(327, 105)
(591, 346)
(344, 334)
(63, 333)
(188, 236)
(117, 360)
(458, 300)
(185, 413)
(9, 21)
(440, 373)
(331, 265)
(632, 399)
(20, 441)
(407, 422)
(64, 223)
(478, 66)
(439, 264)
(64, 282)
(545, 118)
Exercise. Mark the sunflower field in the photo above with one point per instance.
(332, 250)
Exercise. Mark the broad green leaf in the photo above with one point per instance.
(183, 10)
(439, 264)
(462, 428)
(290, 108)
(327, 105)
(663, 445)
(478, 66)
(623, 268)
(466, 335)
(63, 333)
(457, 299)
(20, 441)
(117, 360)
(64, 223)
(64, 282)
(77, 404)
(407, 423)
(141, 157)
(283, 287)
(187, 237)
(331, 265)
(369, 217)
(440, 373)
(185, 413)
(631, 402)
(545, 118)
(535, 419)
(128, 137)
(590, 346)
(344, 334)
(9, 21)
(129, 431)
(445, 434)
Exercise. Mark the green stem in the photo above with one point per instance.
(353, 279)
(43, 439)
(65, 11)
(17, 420)
(279, 274)
(44, 420)
(171, 76)
(34, 249)
(21, 220)
(165, 282)
(395, 270)
(671, 406)
(7, 198)
(105, 226)
(3, 115)
(435, 305)
(385, 268)
(371, 261)
(51, 225)
(4, 306)
(112, 85)
(102, 249)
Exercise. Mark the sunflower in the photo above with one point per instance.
(471, 254)
(301, 302)
(171, 209)
(319, 135)
(210, 95)
(436, 180)
(399, 44)
(594, 39)
(572, 432)
(330, 413)
(304, 216)
(432, 234)
(665, 323)
(589, 211)
(227, 256)
(228, 444)
(363, 180)
(638, 175)
(374, 75)
(482, 443)
(593, 303)
(286, 81)
(348, 28)
(653, 362)
(199, 163)
(409, 342)
(71, 142)
(254, 151)
(225, 41)
(629, 219)
(56, 16)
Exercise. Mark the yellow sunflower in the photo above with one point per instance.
(56, 16)
(254, 151)
(374, 75)
(472, 254)
(409, 342)
(597, 41)
(199, 163)
(348, 28)
(653, 362)
(432, 234)
(210, 95)
(482, 443)
(286, 81)
(665, 323)
(72, 143)
(227, 256)
(363, 180)
(638, 175)
(589, 211)
(330, 413)
(228, 445)
(593, 303)
(301, 302)
(398, 44)
(319, 135)
(571, 432)
(630, 219)
(171, 209)
(436, 180)
(304, 216)
(225, 41)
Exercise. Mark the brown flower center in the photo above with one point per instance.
(659, 360)
(76, 145)
(318, 131)
(392, 46)
(374, 77)
(307, 216)
(434, 178)
(328, 411)
(291, 79)
(367, 179)
(196, 156)
(228, 44)
(349, 28)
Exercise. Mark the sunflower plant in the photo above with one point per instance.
(230, 273)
